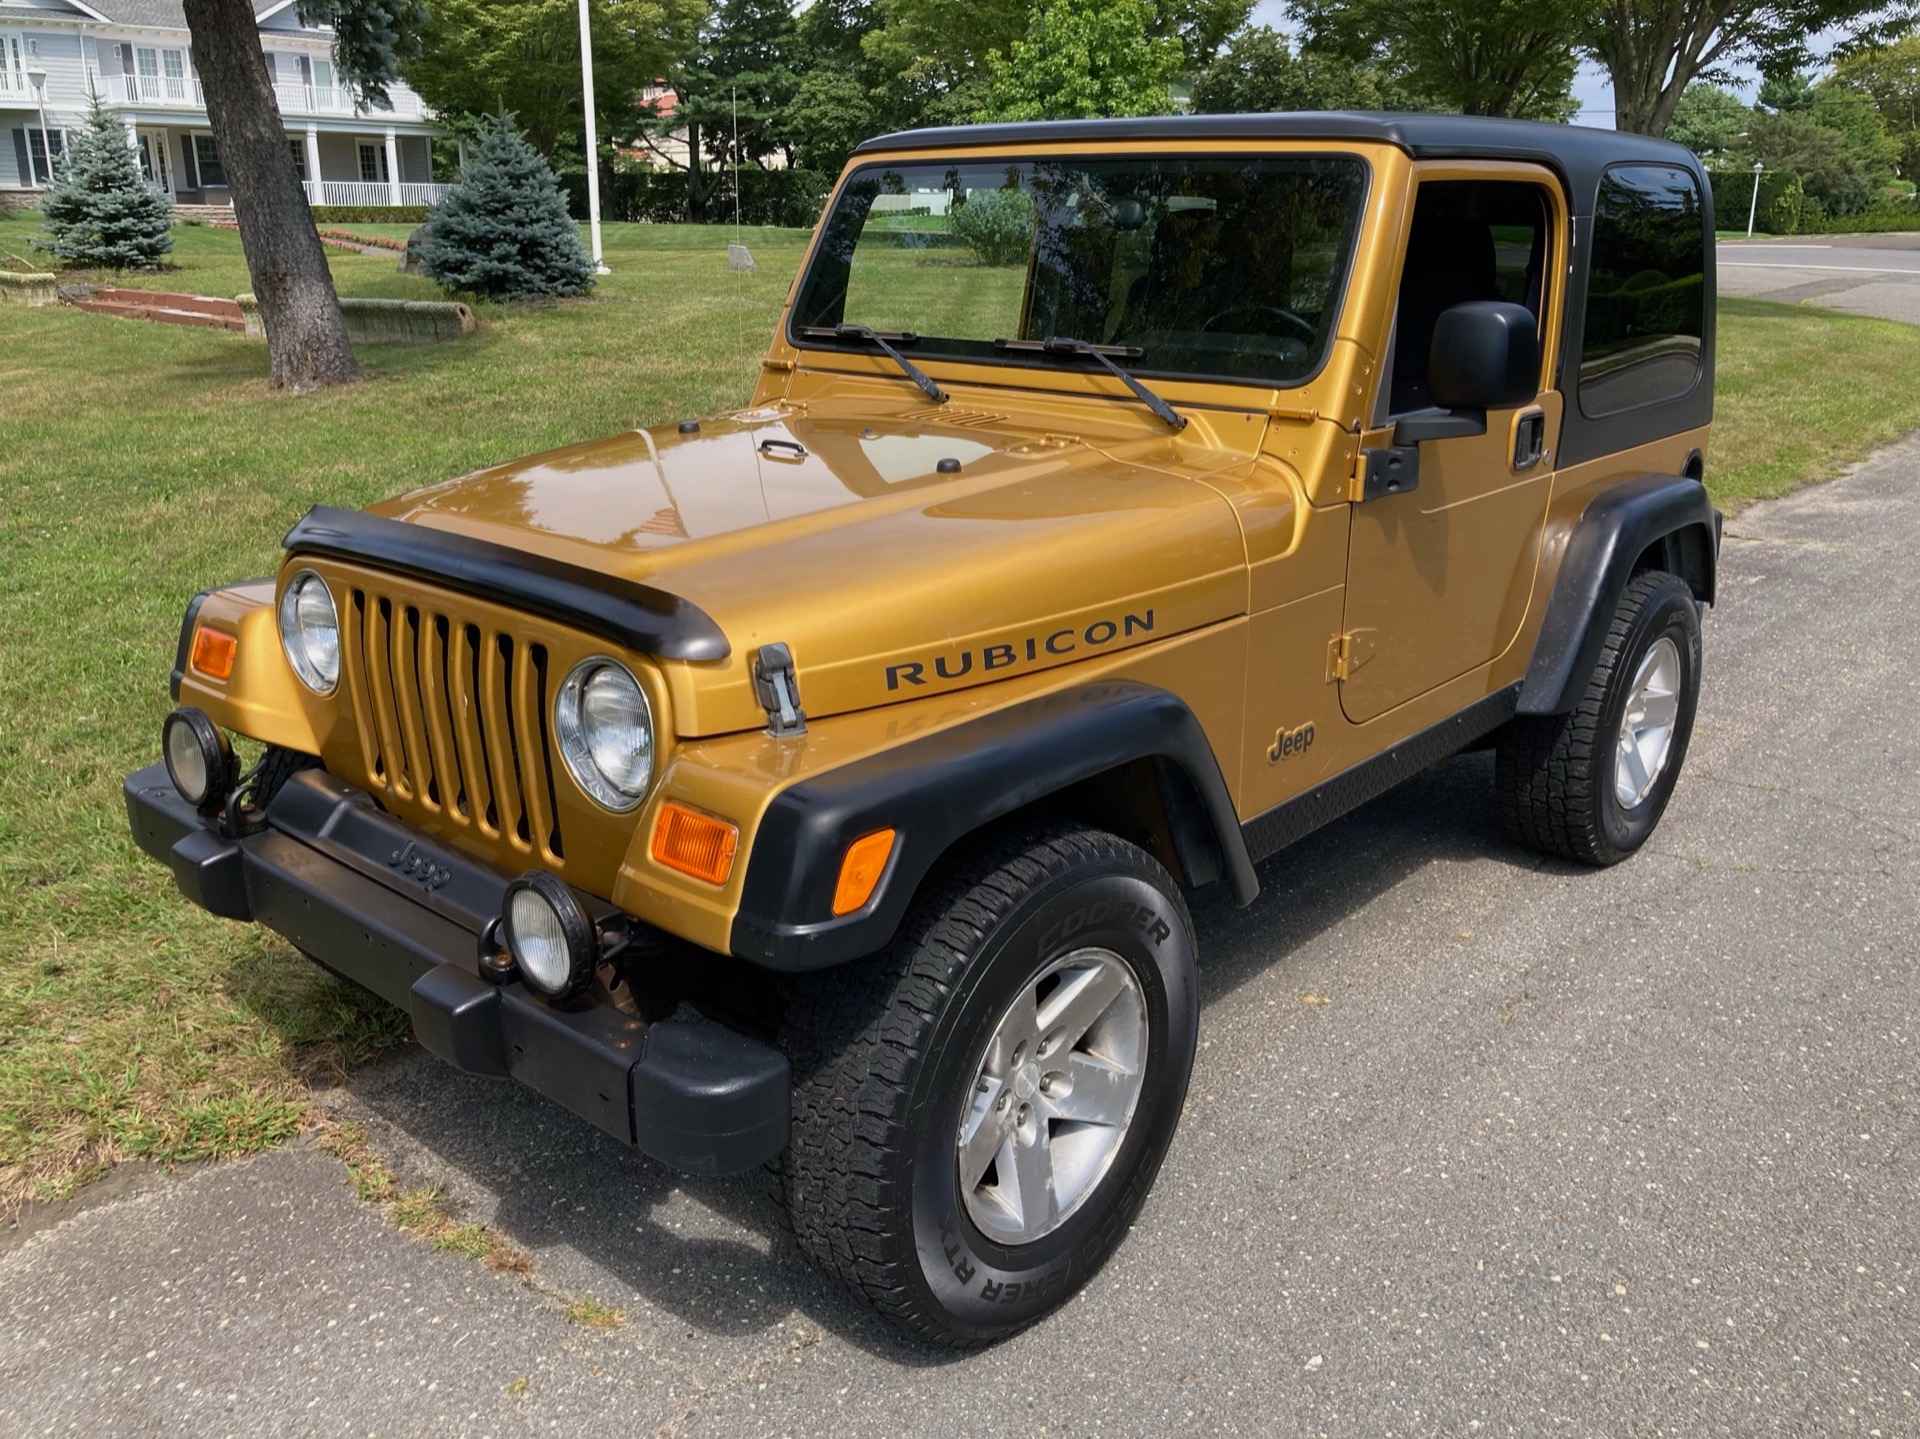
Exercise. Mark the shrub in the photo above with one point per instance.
(997, 225)
(502, 230)
(369, 214)
(99, 208)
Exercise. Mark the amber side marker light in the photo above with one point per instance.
(694, 843)
(860, 871)
(213, 652)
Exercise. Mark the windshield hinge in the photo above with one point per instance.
(1283, 413)
(1346, 653)
(778, 690)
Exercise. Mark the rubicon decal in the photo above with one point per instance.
(1033, 649)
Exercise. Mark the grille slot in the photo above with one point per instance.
(452, 720)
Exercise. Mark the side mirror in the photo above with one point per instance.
(1485, 356)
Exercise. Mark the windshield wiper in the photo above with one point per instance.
(886, 344)
(1061, 345)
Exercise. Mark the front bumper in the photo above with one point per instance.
(382, 904)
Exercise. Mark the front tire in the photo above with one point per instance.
(980, 1111)
(1591, 785)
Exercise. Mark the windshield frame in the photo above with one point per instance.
(791, 329)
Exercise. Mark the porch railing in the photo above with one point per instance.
(370, 192)
(295, 97)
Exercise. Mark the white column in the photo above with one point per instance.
(316, 192)
(393, 168)
(133, 139)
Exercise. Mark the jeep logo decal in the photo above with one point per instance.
(999, 657)
(1289, 742)
(418, 868)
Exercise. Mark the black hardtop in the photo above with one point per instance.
(1578, 153)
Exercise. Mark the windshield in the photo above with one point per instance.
(1227, 267)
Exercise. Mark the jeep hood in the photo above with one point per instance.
(896, 559)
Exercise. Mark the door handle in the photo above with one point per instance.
(1529, 438)
(784, 450)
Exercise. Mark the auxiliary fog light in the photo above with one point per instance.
(549, 934)
(199, 757)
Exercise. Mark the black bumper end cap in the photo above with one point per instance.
(456, 1018)
(710, 1101)
(211, 873)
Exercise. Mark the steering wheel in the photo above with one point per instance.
(1305, 328)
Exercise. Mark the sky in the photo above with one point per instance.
(1590, 87)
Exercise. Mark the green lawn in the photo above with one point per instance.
(140, 463)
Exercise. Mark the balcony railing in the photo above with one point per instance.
(370, 192)
(296, 98)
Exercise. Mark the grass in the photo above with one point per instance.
(140, 463)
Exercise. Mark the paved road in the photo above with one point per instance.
(1862, 274)
(1626, 1153)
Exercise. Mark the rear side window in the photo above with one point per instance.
(1646, 291)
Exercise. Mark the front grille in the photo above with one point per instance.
(452, 717)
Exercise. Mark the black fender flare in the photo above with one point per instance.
(935, 790)
(1620, 525)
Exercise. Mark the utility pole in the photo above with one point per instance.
(593, 141)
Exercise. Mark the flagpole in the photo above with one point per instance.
(593, 142)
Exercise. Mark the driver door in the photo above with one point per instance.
(1441, 571)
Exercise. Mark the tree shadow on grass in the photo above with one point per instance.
(715, 1254)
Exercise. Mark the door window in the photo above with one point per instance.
(1646, 292)
(373, 164)
(173, 65)
(1471, 240)
(299, 149)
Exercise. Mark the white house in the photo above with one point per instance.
(135, 55)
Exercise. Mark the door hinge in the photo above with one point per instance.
(1388, 470)
(1346, 653)
(778, 689)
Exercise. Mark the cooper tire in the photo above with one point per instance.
(887, 1057)
(1567, 784)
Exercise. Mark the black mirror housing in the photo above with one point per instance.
(1485, 356)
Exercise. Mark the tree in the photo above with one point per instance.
(1477, 57)
(502, 230)
(1257, 73)
(99, 208)
(1080, 59)
(1890, 74)
(1653, 49)
(746, 80)
(1852, 114)
(488, 57)
(843, 93)
(1787, 90)
(1708, 120)
(1829, 168)
(306, 336)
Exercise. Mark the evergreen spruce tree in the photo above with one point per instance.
(99, 208)
(502, 231)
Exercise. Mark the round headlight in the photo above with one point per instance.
(605, 728)
(198, 755)
(310, 631)
(549, 934)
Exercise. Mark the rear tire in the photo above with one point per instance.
(1591, 785)
(979, 1111)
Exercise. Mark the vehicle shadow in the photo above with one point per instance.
(715, 1253)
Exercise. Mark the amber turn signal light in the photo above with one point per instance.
(213, 652)
(694, 843)
(860, 871)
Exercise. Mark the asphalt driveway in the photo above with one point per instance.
(1478, 1144)
(1861, 274)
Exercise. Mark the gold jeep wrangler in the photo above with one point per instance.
(818, 784)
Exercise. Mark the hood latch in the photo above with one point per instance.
(778, 691)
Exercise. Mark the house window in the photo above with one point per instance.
(37, 151)
(299, 149)
(13, 74)
(207, 160)
(373, 164)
